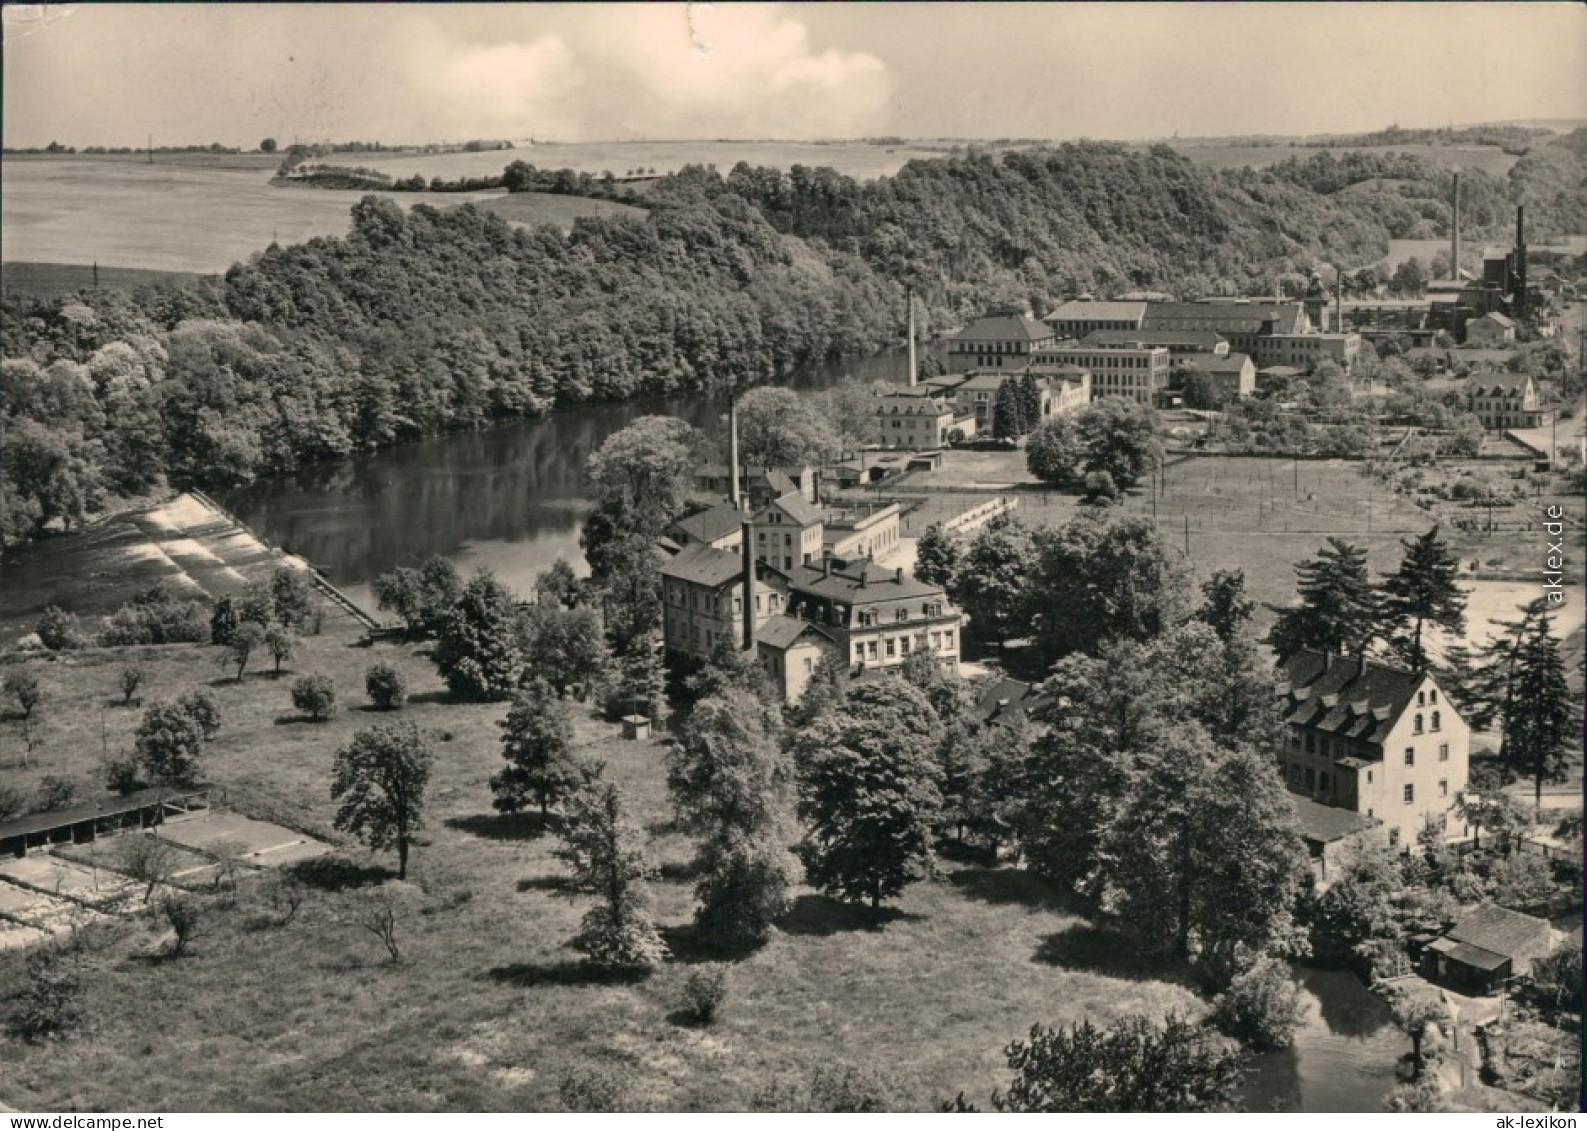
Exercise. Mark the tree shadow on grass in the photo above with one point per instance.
(527, 974)
(1007, 886)
(504, 826)
(1096, 950)
(821, 915)
(680, 872)
(689, 946)
(443, 696)
(556, 885)
(337, 873)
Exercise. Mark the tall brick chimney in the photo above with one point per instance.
(1454, 233)
(914, 368)
(732, 449)
(1520, 261)
(748, 557)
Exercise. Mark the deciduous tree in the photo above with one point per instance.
(170, 743)
(477, 649)
(937, 555)
(379, 779)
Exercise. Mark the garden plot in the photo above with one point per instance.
(28, 916)
(77, 881)
(257, 844)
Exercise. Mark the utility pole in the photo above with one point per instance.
(151, 149)
(1187, 534)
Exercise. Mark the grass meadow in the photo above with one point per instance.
(489, 1007)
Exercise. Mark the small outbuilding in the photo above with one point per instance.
(80, 824)
(1485, 948)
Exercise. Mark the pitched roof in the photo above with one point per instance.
(710, 524)
(1499, 930)
(1225, 317)
(782, 630)
(799, 508)
(1500, 319)
(844, 583)
(1001, 695)
(1324, 824)
(703, 565)
(1352, 698)
(1219, 363)
(1201, 339)
(117, 806)
(1077, 310)
(1004, 328)
(1501, 382)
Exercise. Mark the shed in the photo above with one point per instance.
(636, 727)
(79, 824)
(1487, 947)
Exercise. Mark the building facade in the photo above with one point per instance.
(1137, 374)
(1506, 400)
(878, 617)
(788, 531)
(1378, 740)
(997, 341)
(1076, 319)
(1305, 351)
(918, 422)
(1492, 329)
(859, 532)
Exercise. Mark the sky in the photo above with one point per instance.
(91, 74)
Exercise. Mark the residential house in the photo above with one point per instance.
(1485, 948)
(702, 591)
(789, 650)
(1137, 374)
(719, 527)
(1491, 330)
(1233, 374)
(915, 421)
(1375, 739)
(1506, 400)
(879, 617)
(1080, 317)
(997, 341)
(788, 530)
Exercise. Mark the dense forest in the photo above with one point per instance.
(422, 320)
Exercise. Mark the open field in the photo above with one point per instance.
(250, 161)
(490, 1007)
(854, 158)
(1217, 155)
(54, 280)
(171, 217)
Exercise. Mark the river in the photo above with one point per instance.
(511, 498)
(1344, 1055)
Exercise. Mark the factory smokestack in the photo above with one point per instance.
(1454, 234)
(1520, 261)
(914, 368)
(732, 449)
(1339, 300)
(747, 532)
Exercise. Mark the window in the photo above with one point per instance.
(1322, 783)
(1410, 794)
(1437, 724)
(1416, 725)
(1311, 779)
(947, 640)
(871, 649)
(1310, 743)
(1326, 749)
(1421, 698)
(1410, 755)
(1443, 787)
(904, 646)
(859, 651)
(1394, 838)
(1432, 696)
(1369, 777)
(1443, 751)
(891, 648)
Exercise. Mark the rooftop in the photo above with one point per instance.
(799, 508)
(1225, 317)
(1498, 930)
(1085, 310)
(1324, 824)
(1502, 382)
(702, 565)
(116, 806)
(1351, 697)
(710, 524)
(1005, 328)
(1201, 339)
(1219, 362)
(782, 630)
(857, 582)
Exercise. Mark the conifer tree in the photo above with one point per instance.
(1423, 591)
(1007, 418)
(537, 742)
(1029, 402)
(1542, 722)
(1339, 608)
(608, 859)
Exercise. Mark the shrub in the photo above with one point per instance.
(704, 991)
(58, 629)
(48, 1004)
(839, 1087)
(593, 1090)
(120, 773)
(22, 688)
(184, 915)
(1261, 1008)
(54, 792)
(385, 686)
(156, 617)
(169, 742)
(131, 679)
(203, 708)
(315, 695)
(10, 802)
(284, 893)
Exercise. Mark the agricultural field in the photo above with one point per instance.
(189, 218)
(1218, 155)
(489, 1007)
(854, 158)
(55, 280)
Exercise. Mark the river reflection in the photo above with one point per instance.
(510, 498)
